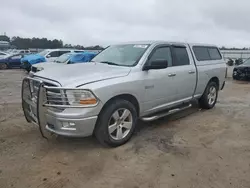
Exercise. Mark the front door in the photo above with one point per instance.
(159, 85)
(15, 61)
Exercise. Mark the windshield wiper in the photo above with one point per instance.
(109, 63)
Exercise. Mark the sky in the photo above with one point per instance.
(104, 22)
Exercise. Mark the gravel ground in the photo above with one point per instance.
(194, 148)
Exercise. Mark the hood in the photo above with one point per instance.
(33, 58)
(74, 75)
(48, 65)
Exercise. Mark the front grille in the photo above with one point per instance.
(53, 96)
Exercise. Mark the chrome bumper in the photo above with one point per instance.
(37, 111)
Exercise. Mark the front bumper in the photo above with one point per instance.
(72, 122)
(71, 127)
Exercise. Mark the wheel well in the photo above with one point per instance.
(216, 80)
(127, 97)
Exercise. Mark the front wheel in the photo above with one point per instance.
(209, 97)
(116, 123)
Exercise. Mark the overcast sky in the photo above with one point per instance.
(90, 22)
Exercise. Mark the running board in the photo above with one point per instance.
(160, 115)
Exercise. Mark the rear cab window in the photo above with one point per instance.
(206, 53)
(214, 53)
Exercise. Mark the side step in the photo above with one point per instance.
(163, 114)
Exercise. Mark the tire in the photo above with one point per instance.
(204, 101)
(3, 66)
(111, 115)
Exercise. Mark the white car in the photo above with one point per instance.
(3, 54)
(63, 59)
(52, 54)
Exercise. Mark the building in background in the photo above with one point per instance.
(4, 45)
(235, 54)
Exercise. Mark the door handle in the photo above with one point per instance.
(191, 72)
(171, 75)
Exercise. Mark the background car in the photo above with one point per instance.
(46, 55)
(242, 72)
(11, 61)
(3, 54)
(68, 58)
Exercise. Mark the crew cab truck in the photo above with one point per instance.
(124, 83)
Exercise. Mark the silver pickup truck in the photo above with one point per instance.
(124, 83)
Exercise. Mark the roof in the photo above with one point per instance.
(162, 41)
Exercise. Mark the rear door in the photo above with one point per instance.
(184, 71)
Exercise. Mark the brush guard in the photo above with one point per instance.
(33, 97)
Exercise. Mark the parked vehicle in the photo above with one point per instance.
(11, 61)
(43, 56)
(3, 54)
(68, 58)
(242, 72)
(125, 82)
(20, 52)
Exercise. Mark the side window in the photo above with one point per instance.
(54, 54)
(214, 53)
(63, 52)
(201, 53)
(162, 53)
(181, 56)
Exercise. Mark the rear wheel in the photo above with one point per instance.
(3, 66)
(116, 123)
(209, 97)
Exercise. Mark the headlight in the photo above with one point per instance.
(80, 97)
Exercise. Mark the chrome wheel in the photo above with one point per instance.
(212, 95)
(120, 124)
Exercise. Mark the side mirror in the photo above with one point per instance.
(157, 64)
(48, 56)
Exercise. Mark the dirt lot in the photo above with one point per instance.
(190, 149)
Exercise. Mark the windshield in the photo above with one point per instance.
(122, 55)
(43, 53)
(247, 62)
(63, 58)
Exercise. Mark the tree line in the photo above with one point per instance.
(42, 43)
